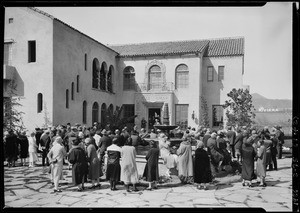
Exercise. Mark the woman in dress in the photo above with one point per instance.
(222, 148)
(248, 156)
(23, 141)
(78, 160)
(56, 156)
(94, 163)
(216, 157)
(151, 169)
(261, 165)
(185, 160)
(202, 172)
(32, 150)
(113, 171)
(129, 172)
(170, 160)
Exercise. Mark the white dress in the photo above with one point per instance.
(32, 150)
(129, 172)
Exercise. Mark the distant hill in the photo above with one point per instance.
(261, 101)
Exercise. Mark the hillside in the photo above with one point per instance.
(261, 101)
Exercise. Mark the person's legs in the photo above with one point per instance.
(274, 161)
(134, 187)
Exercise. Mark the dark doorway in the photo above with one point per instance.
(154, 113)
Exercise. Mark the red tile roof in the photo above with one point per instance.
(214, 47)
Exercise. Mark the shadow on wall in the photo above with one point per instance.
(212, 93)
(19, 83)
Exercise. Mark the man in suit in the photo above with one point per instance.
(279, 135)
(45, 144)
(231, 139)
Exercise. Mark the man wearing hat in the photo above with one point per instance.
(105, 141)
(45, 145)
(231, 139)
(279, 135)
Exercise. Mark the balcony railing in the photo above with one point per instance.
(160, 87)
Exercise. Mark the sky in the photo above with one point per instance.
(267, 31)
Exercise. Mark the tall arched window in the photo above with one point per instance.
(77, 84)
(95, 112)
(84, 107)
(110, 79)
(72, 91)
(103, 114)
(39, 102)
(111, 109)
(103, 72)
(67, 98)
(96, 70)
(129, 78)
(182, 76)
(155, 77)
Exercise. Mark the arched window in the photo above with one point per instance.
(84, 107)
(103, 79)
(96, 69)
(103, 114)
(95, 112)
(129, 78)
(110, 79)
(85, 61)
(182, 76)
(155, 77)
(72, 91)
(39, 102)
(77, 84)
(111, 109)
(67, 99)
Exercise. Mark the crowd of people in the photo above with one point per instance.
(93, 152)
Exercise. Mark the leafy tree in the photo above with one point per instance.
(114, 119)
(204, 113)
(239, 108)
(12, 117)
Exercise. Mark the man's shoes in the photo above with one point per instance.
(57, 190)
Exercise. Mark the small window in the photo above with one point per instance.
(217, 115)
(31, 51)
(67, 99)
(182, 76)
(39, 102)
(220, 73)
(77, 84)
(11, 20)
(210, 74)
(85, 62)
(72, 91)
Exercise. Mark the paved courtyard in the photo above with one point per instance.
(31, 187)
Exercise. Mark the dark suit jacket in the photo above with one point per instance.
(231, 137)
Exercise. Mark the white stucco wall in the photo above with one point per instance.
(69, 49)
(190, 95)
(36, 77)
(215, 92)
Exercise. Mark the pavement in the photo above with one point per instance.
(31, 187)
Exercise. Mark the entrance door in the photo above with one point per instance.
(154, 113)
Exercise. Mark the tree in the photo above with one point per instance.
(204, 113)
(115, 121)
(47, 120)
(239, 108)
(12, 117)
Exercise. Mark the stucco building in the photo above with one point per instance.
(70, 77)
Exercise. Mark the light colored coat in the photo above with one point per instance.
(185, 160)
(129, 172)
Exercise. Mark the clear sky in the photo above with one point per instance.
(267, 31)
